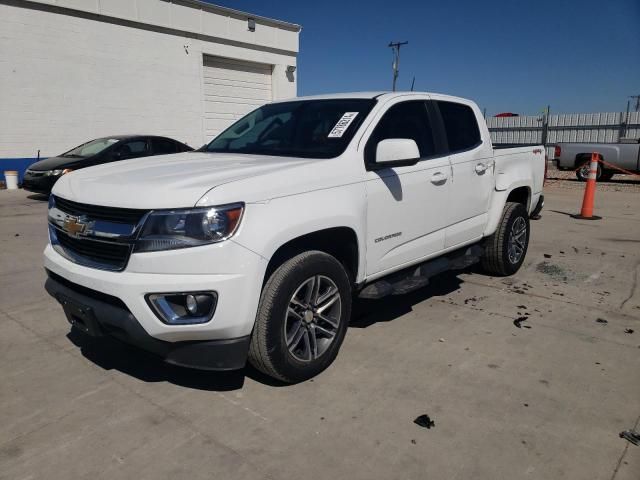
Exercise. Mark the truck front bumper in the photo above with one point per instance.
(98, 314)
(116, 302)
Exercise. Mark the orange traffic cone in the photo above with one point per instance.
(586, 213)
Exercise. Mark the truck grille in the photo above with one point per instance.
(97, 253)
(109, 214)
(106, 240)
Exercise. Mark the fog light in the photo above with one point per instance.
(183, 308)
(192, 304)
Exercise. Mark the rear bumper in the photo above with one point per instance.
(101, 314)
(538, 208)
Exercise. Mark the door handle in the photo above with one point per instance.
(481, 168)
(438, 178)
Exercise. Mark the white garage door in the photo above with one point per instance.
(232, 88)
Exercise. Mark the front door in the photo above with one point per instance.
(405, 205)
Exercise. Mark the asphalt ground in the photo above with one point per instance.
(531, 376)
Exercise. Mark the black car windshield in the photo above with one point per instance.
(304, 128)
(91, 148)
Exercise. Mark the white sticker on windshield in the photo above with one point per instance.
(342, 125)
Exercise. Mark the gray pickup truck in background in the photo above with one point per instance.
(625, 154)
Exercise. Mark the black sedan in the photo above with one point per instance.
(41, 176)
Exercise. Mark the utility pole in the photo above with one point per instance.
(545, 125)
(624, 124)
(637, 99)
(396, 59)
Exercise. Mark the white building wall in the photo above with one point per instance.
(67, 77)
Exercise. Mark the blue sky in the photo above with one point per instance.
(515, 56)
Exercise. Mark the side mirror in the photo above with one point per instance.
(396, 152)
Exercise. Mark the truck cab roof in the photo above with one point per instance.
(375, 94)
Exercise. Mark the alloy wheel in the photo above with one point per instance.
(517, 240)
(312, 318)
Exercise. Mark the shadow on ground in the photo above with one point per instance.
(41, 197)
(111, 354)
(368, 312)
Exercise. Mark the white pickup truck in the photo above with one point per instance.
(254, 246)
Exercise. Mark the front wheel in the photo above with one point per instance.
(506, 248)
(302, 318)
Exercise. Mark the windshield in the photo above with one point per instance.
(307, 128)
(91, 148)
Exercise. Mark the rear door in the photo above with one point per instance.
(405, 205)
(472, 181)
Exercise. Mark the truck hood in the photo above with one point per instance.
(168, 181)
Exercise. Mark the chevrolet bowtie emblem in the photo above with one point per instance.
(74, 226)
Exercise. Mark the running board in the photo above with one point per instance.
(415, 277)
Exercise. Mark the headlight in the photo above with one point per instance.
(170, 229)
(57, 173)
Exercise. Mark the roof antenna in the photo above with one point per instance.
(413, 82)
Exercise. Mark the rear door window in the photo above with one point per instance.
(163, 146)
(460, 125)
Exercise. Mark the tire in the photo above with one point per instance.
(582, 173)
(289, 299)
(498, 259)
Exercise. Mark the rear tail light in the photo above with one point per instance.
(557, 151)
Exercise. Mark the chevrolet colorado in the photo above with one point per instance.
(254, 247)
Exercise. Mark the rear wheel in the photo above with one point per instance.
(506, 248)
(582, 173)
(302, 318)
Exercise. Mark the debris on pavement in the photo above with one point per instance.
(546, 255)
(628, 330)
(518, 322)
(602, 320)
(632, 436)
(424, 421)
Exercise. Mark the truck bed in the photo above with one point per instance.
(522, 164)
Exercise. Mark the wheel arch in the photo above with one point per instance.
(339, 242)
(519, 193)
(583, 157)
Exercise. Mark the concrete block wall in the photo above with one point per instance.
(80, 69)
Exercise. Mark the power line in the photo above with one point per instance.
(396, 59)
